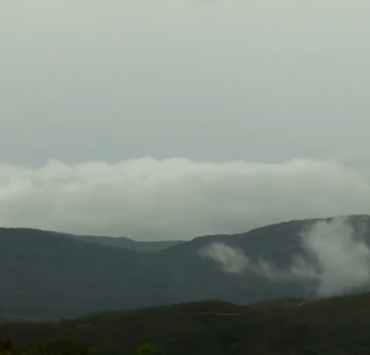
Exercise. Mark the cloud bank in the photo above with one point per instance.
(334, 259)
(179, 198)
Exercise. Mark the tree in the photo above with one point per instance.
(147, 349)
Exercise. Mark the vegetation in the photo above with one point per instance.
(291, 327)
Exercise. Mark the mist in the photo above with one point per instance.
(231, 260)
(336, 256)
(334, 260)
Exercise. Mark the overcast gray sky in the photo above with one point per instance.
(214, 81)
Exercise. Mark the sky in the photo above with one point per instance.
(169, 92)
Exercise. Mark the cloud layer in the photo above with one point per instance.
(179, 198)
(334, 259)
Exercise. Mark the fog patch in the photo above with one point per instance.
(334, 258)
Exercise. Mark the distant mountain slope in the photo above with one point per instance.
(43, 274)
(123, 242)
(51, 275)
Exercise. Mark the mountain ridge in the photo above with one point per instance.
(47, 276)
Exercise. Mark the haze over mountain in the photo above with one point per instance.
(50, 275)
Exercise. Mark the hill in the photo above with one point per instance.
(123, 242)
(333, 326)
(45, 275)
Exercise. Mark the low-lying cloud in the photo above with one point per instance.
(230, 259)
(337, 256)
(179, 198)
(334, 258)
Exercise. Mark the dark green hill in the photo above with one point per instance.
(337, 326)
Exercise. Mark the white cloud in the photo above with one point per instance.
(178, 198)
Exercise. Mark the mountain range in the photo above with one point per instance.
(49, 275)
